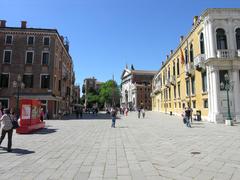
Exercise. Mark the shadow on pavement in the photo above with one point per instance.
(18, 151)
(45, 131)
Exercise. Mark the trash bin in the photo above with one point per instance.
(199, 118)
(170, 113)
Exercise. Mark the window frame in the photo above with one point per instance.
(6, 39)
(41, 80)
(49, 42)
(29, 51)
(201, 43)
(1, 79)
(4, 52)
(221, 38)
(28, 40)
(48, 58)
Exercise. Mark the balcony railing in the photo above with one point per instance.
(238, 52)
(189, 68)
(167, 82)
(225, 53)
(198, 60)
(173, 79)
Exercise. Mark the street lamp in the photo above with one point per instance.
(227, 86)
(19, 85)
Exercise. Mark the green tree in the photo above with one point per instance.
(109, 93)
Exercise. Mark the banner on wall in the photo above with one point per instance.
(26, 111)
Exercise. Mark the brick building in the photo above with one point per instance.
(39, 59)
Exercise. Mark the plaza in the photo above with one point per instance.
(157, 147)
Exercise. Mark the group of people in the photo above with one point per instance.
(6, 118)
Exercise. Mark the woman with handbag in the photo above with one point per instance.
(7, 128)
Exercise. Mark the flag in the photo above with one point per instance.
(182, 57)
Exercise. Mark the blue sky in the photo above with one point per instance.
(104, 35)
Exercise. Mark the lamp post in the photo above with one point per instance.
(19, 85)
(227, 86)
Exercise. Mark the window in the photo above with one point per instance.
(205, 103)
(191, 53)
(178, 67)
(4, 80)
(204, 81)
(186, 55)
(28, 81)
(174, 68)
(59, 85)
(46, 41)
(45, 58)
(179, 91)
(202, 47)
(187, 87)
(7, 55)
(29, 57)
(222, 78)
(193, 85)
(179, 105)
(4, 102)
(8, 39)
(169, 92)
(221, 39)
(45, 81)
(30, 40)
(238, 38)
(175, 89)
(194, 104)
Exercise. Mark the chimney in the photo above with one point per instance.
(195, 20)
(24, 24)
(171, 52)
(181, 38)
(2, 23)
(167, 56)
(162, 63)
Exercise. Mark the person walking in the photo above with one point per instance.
(143, 113)
(187, 116)
(139, 113)
(42, 114)
(7, 126)
(114, 115)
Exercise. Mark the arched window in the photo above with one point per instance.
(178, 70)
(191, 53)
(186, 55)
(238, 38)
(221, 39)
(202, 47)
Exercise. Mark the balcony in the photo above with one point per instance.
(238, 52)
(173, 80)
(167, 82)
(199, 61)
(225, 53)
(189, 69)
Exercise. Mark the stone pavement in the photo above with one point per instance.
(157, 147)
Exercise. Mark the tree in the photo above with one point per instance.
(109, 93)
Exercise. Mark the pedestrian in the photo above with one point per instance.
(126, 111)
(81, 112)
(114, 115)
(77, 113)
(7, 126)
(188, 116)
(42, 114)
(143, 113)
(139, 113)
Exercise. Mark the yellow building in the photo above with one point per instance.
(193, 74)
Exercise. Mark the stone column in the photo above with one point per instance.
(217, 116)
(236, 91)
(211, 33)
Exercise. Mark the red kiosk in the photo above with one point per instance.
(30, 116)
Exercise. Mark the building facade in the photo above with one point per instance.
(195, 73)
(136, 89)
(39, 60)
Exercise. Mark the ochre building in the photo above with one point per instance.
(203, 72)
